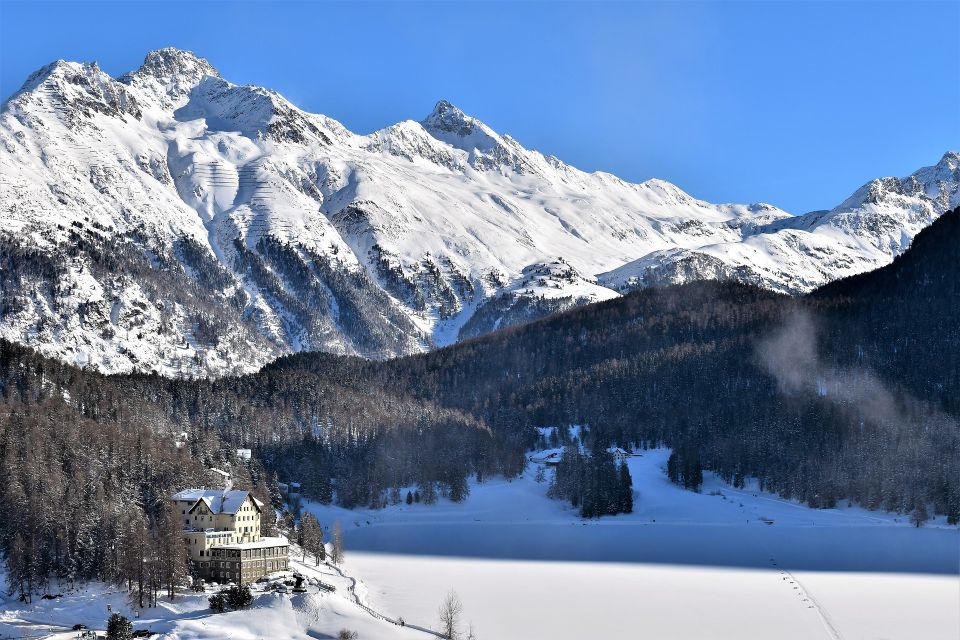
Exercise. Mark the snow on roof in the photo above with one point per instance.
(547, 455)
(263, 542)
(217, 501)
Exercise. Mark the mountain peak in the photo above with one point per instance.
(950, 159)
(444, 107)
(448, 118)
(176, 64)
(57, 68)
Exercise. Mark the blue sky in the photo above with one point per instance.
(791, 103)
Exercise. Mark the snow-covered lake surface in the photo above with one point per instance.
(683, 565)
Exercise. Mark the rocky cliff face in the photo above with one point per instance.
(171, 221)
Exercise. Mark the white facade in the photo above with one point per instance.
(222, 532)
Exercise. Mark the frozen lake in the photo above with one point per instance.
(683, 565)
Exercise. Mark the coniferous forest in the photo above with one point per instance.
(849, 393)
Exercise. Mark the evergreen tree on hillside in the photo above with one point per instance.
(673, 467)
(592, 482)
(311, 537)
(625, 490)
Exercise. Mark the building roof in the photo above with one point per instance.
(217, 500)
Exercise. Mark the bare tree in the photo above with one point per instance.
(336, 546)
(919, 515)
(136, 557)
(450, 612)
(171, 552)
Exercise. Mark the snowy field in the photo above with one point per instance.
(272, 616)
(719, 564)
(683, 565)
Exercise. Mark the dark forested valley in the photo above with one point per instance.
(850, 393)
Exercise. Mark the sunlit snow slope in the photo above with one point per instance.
(171, 221)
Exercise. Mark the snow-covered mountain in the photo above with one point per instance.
(797, 254)
(169, 220)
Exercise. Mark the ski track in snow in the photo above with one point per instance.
(806, 595)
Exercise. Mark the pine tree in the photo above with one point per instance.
(268, 514)
(239, 597)
(18, 569)
(540, 475)
(119, 628)
(302, 538)
(429, 492)
(459, 488)
(673, 468)
(325, 490)
(625, 501)
(218, 602)
(311, 537)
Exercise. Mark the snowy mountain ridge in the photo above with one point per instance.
(171, 221)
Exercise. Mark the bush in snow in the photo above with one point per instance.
(239, 597)
(218, 602)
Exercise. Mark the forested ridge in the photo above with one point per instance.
(850, 393)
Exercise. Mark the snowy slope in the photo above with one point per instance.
(170, 220)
